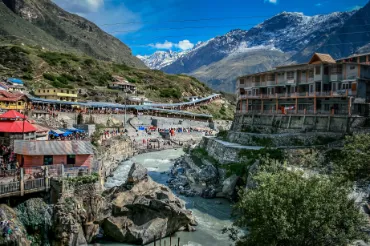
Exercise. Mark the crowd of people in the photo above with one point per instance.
(7, 158)
(72, 136)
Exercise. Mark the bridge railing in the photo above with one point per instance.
(9, 187)
(34, 184)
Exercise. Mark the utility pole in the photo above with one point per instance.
(125, 109)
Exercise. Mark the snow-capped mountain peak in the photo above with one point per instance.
(161, 59)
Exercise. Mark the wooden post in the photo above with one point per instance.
(314, 104)
(155, 241)
(296, 105)
(21, 183)
(349, 107)
(178, 241)
(277, 105)
(247, 104)
(261, 106)
(46, 176)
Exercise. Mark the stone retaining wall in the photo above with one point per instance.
(296, 123)
(220, 152)
(285, 139)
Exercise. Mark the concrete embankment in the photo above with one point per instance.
(112, 153)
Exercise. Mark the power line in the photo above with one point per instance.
(205, 19)
(180, 21)
(181, 28)
(334, 44)
(199, 27)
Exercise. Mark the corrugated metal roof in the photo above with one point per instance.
(24, 147)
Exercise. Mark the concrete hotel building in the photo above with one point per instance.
(321, 86)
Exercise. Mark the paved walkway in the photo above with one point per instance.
(235, 145)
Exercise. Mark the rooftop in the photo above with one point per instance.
(24, 147)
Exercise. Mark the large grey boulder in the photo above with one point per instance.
(145, 211)
(137, 173)
(208, 174)
(228, 186)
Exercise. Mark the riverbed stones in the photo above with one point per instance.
(12, 230)
(144, 211)
(229, 184)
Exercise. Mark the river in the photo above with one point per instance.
(211, 214)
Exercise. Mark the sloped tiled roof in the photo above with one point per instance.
(325, 58)
(24, 147)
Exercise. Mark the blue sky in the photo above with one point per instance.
(150, 25)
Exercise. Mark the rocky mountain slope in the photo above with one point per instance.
(43, 23)
(41, 69)
(284, 38)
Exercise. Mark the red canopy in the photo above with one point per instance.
(16, 127)
(12, 114)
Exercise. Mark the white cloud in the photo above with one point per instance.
(166, 45)
(80, 6)
(163, 46)
(185, 45)
(104, 14)
(271, 1)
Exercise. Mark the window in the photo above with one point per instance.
(326, 70)
(310, 74)
(62, 91)
(271, 77)
(54, 90)
(346, 86)
(71, 159)
(362, 59)
(318, 70)
(241, 81)
(19, 103)
(44, 91)
(352, 67)
(290, 75)
(48, 160)
(336, 69)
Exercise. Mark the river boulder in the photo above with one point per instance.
(144, 210)
(12, 230)
(228, 186)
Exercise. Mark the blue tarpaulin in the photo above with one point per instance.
(16, 81)
(141, 128)
(75, 130)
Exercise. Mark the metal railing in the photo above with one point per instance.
(71, 172)
(9, 187)
(8, 173)
(34, 184)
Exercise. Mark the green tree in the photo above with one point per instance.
(286, 208)
(354, 160)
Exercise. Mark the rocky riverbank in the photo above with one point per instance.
(205, 179)
(137, 212)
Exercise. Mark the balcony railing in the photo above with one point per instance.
(339, 93)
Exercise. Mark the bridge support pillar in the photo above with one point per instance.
(21, 182)
(47, 181)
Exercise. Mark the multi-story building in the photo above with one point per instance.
(321, 86)
(16, 100)
(69, 95)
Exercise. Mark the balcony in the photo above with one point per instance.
(336, 77)
(291, 81)
(271, 82)
(66, 95)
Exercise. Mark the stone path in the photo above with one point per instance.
(235, 145)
